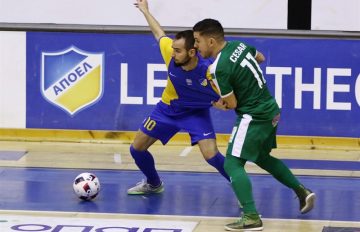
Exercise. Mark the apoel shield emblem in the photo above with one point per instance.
(72, 79)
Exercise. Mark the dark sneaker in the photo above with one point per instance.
(306, 199)
(143, 188)
(247, 222)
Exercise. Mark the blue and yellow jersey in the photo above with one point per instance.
(186, 90)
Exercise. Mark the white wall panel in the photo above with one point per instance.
(270, 14)
(12, 79)
(335, 15)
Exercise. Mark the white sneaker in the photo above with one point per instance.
(143, 188)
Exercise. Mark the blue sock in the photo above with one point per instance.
(218, 162)
(145, 162)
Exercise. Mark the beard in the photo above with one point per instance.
(185, 62)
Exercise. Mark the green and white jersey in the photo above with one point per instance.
(235, 70)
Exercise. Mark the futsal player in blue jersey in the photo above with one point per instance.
(184, 105)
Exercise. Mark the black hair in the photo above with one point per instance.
(210, 27)
(188, 36)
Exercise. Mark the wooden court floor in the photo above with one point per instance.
(181, 158)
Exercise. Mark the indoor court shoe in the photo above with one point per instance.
(306, 199)
(143, 188)
(248, 222)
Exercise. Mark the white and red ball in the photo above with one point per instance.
(86, 186)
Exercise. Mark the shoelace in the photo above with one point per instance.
(141, 182)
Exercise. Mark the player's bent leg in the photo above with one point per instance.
(284, 175)
(212, 155)
(278, 170)
(145, 162)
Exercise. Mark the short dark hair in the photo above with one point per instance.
(209, 27)
(188, 36)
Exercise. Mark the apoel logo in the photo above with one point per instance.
(72, 79)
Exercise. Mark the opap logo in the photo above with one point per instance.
(72, 79)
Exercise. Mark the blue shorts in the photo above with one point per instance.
(163, 126)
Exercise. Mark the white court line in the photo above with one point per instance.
(186, 151)
(149, 216)
(117, 158)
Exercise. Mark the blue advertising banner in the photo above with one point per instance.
(106, 81)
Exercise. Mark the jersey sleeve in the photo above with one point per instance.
(221, 79)
(210, 79)
(166, 49)
(252, 50)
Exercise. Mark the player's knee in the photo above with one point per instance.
(138, 147)
(140, 143)
(262, 160)
(209, 153)
(208, 149)
(132, 149)
(233, 164)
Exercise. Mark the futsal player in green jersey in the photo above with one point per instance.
(242, 87)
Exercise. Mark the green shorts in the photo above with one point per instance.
(252, 138)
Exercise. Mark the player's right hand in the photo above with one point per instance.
(142, 5)
(220, 104)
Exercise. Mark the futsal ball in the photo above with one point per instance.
(86, 186)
